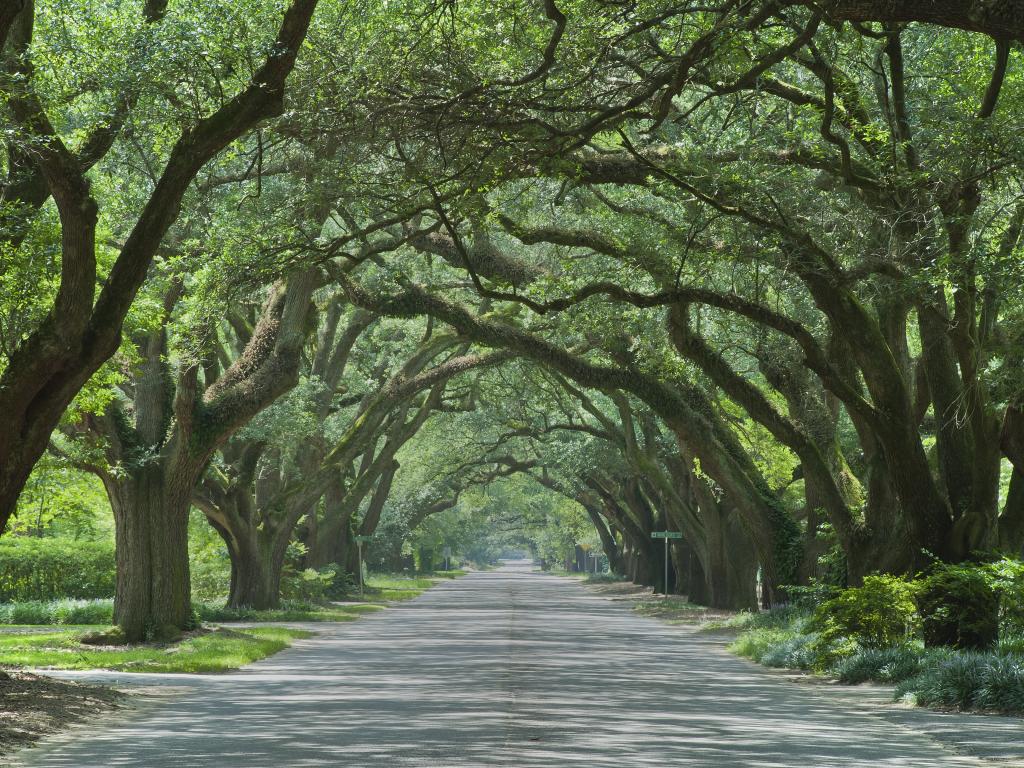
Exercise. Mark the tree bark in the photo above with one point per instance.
(255, 574)
(153, 595)
(1011, 521)
(1001, 19)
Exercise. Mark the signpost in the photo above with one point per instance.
(447, 558)
(666, 535)
(360, 540)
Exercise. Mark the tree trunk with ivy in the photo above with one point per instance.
(154, 461)
(152, 597)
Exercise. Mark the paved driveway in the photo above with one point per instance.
(505, 668)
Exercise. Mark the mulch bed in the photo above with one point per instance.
(32, 706)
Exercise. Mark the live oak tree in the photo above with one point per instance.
(159, 435)
(52, 139)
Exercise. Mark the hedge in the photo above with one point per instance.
(50, 569)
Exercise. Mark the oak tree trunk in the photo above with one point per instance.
(153, 593)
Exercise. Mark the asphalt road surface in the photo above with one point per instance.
(505, 668)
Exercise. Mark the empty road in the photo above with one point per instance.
(505, 668)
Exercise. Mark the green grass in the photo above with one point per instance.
(101, 612)
(217, 612)
(57, 612)
(387, 588)
(217, 651)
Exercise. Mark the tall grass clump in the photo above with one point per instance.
(66, 611)
(883, 665)
(777, 647)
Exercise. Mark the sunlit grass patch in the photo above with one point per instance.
(395, 587)
(217, 612)
(400, 582)
(777, 648)
(217, 651)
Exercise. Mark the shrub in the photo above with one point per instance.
(1011, 644)
(342, 585)
(313, 586)
(809, 598)
(210, 575)
(959, 607)
(883, 665)
(879, 614)
(48, 569)
(1006, 576)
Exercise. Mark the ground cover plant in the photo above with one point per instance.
(218, 612)
(877, 633)
(58, 612)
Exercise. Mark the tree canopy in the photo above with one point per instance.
(569, 270)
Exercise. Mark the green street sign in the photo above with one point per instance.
(363, 539)
(666, 535)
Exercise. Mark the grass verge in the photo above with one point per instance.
(101, 612)
(216, 612)
(219, 650)
(389, 587)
